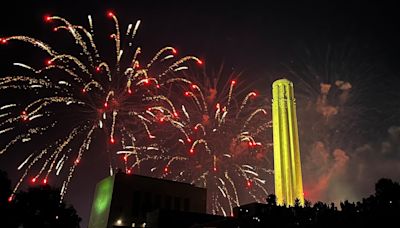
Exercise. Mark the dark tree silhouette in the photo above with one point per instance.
(37, 207)
(41, 207)
(387, 190)
(5, 188)
(271, 200)
(6, 211)
(379, 210)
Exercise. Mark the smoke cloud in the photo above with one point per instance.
(337, 164)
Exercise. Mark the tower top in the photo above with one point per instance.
(282, 81)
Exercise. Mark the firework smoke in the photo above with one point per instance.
(334, 106)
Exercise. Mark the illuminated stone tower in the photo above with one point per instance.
(287, 166)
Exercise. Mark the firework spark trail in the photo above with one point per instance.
(121, 100)
(222, 141)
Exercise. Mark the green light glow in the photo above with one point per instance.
(101, 203)
(287, 166)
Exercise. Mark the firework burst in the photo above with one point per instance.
(335, 106)
(220, 141)
(116, 98)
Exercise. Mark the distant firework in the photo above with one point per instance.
(334, 83)
(335, 104)
(77, 97)
(220, 142)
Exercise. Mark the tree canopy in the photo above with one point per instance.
(38, 206)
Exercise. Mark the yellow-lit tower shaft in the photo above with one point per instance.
(287, 166)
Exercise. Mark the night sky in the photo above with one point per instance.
(349, 135)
